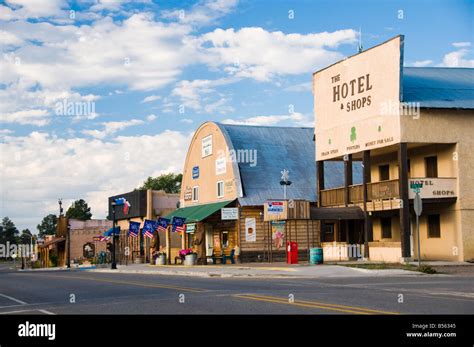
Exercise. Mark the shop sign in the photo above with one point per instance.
(275, 207)
(250, 230)
(188, 194)
(229, 213)
(195, 172)
(221, 166)
(433, 188)
(190, 228)
(206, 148)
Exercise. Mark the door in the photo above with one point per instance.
(209, 240)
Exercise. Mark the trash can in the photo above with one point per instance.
(292, 253)
(316, 255)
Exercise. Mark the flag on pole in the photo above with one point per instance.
(162, 224)
(123, 202)
(178, 224)
(149, 228)
(134, 229)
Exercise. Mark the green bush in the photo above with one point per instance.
(426, 269)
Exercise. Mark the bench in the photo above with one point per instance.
(223, 258)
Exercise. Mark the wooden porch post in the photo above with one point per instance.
(404, 209)
(368, 232)
(168, 245)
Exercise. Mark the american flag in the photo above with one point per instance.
(162, 224)
(134, 229)
(178, 224)
(149, 228)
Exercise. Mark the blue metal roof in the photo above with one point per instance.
(435, 87)
(279, 148)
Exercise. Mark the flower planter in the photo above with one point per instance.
(190, 259)
(161, 260)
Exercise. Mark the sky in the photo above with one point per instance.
(95, 96)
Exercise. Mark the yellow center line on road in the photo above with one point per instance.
(314, 304)
(140, 284)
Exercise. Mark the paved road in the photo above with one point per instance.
(51, 292)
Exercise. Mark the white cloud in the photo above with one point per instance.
(294, 118)
(42, 168)
(422, 63)
(151, 117)
(22, 9)
(458, 59)
(301, 87)
(197, 94)
(151, 98)
(262, 55)
(461, 44)
(111, 128)
(203, 13)
(186, 121)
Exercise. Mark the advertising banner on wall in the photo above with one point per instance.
(278, 233)
(250, 230)
(357, 101)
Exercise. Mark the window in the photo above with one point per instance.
(328, 232)
(195, 193)
(386, 227)
(225, 239)
(384, 172)
(431, 166)
(206, 146)
(434, 229)
(220, 189)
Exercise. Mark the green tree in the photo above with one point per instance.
(48, 225)
(170, 183)
(79, 210)
(8, 231)
(26, 237)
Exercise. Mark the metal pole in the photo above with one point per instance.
(418, 235)
(114, 264)
(68, 245)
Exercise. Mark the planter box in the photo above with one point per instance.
(161, 260)
(190, 259)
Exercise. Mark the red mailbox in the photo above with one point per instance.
(292, 253)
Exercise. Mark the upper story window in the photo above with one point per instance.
(220, 189)
(384, 172)
(431, 166)
(195, 193)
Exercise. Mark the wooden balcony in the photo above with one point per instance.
(385, 194)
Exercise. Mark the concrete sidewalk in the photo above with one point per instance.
(260, 270)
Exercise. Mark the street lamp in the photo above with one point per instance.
(285, 175)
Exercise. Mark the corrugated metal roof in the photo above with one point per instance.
(435, 87)
(278, 148)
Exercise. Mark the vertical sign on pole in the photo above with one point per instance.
(418, 206)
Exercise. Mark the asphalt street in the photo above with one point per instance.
(82, 292)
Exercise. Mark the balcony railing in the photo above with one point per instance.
(388, 190)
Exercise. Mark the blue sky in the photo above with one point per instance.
(152, 71)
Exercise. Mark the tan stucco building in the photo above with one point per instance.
(399, 126)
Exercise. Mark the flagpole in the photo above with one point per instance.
(114, 264)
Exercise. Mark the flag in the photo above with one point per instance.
(134, 229)
(149, 228)
(123, 202)
(162, 224)
(178, 224)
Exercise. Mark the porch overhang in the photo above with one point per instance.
(197, 213)
(338, 213)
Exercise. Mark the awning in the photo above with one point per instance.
(197, 213)
(340, 213)
(110, 231)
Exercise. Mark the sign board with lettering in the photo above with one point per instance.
(195, 172)
(221, 166)
(275, 210)
(229, 213)
(433, 188)
(357, 101)
(206, 146)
